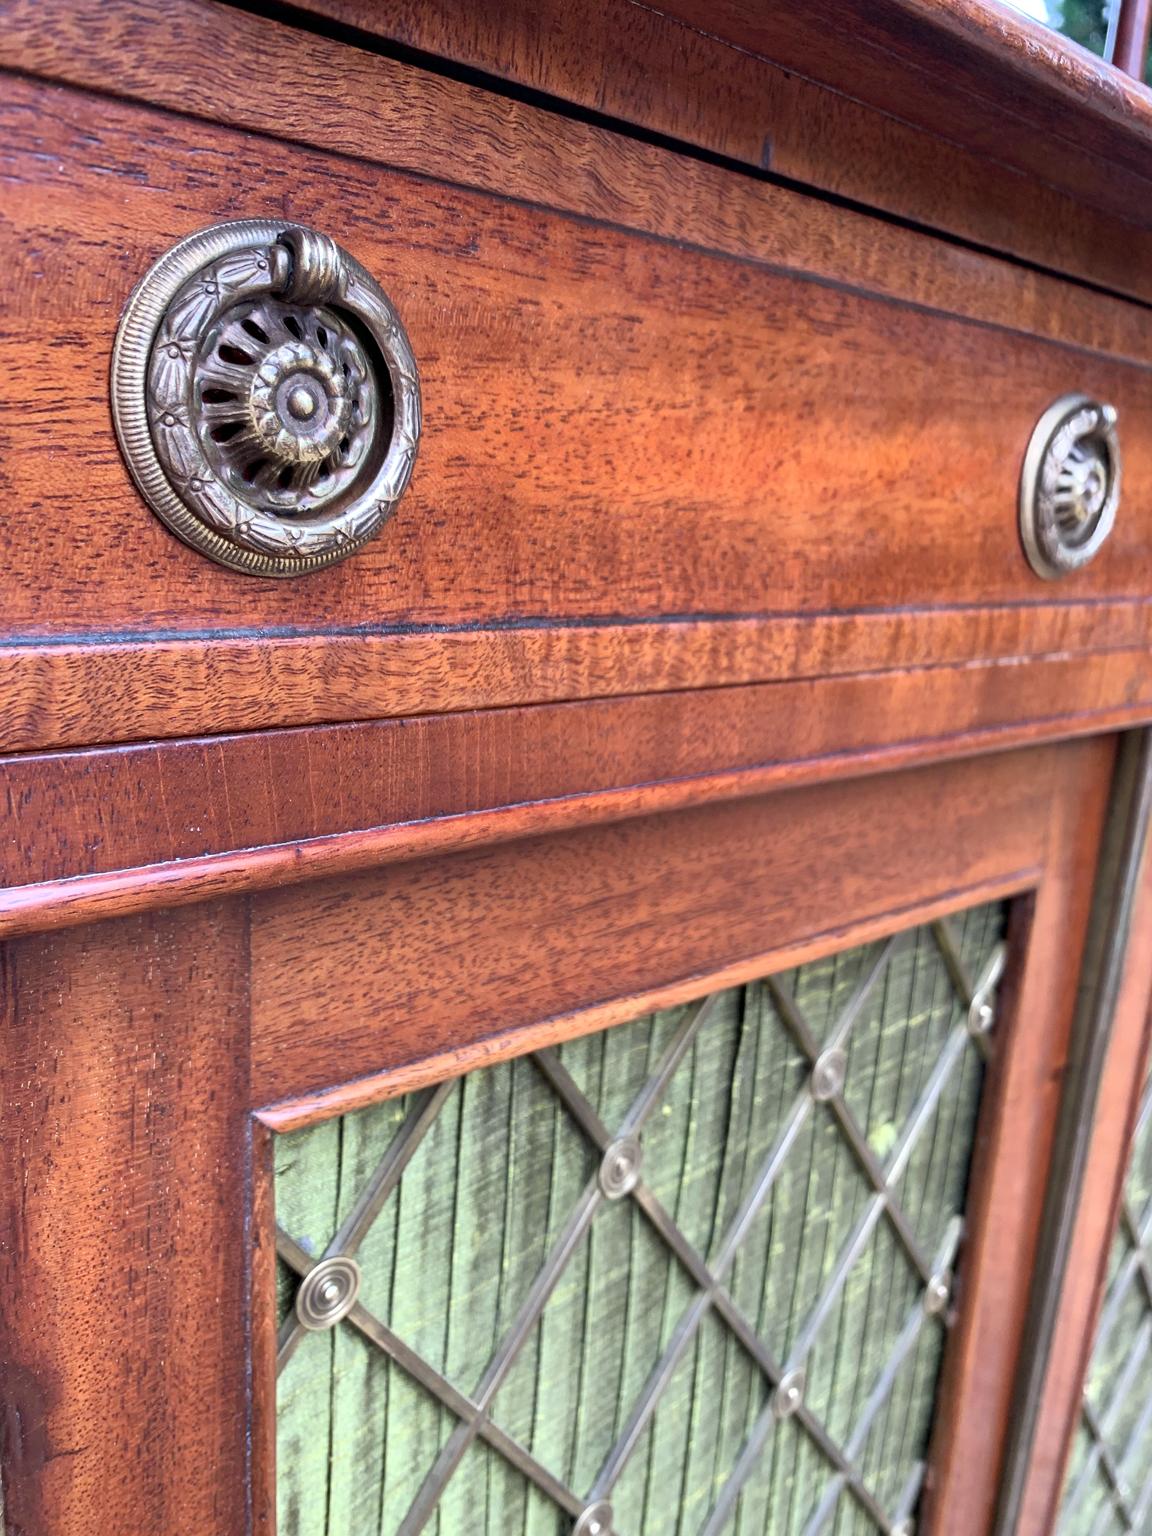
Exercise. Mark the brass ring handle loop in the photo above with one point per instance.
(316, 270)
(265, 397)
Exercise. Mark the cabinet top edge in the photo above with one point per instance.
(977, 73)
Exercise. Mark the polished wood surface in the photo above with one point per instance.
(632, 65)
(1087, 1270)
(685, 76)
(604, 437)
(227, 815)
(403, 117)
(471, 950)
(1037, 1006)
(124, 1259)
(69, 694)
(974, 70)
(612, 426)
(703, 643)
(398, 116)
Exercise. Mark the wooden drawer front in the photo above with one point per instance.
(615, 425)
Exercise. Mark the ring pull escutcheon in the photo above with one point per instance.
(1070, 485)
(266, 398)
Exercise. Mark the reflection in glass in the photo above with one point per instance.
(1086, 22)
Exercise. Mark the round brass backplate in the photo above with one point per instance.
(1070, 485)
(265, 397)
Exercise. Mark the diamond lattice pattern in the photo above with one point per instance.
(687, 1276)
(1109, 1487)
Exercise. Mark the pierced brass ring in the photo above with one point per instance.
(265, 397)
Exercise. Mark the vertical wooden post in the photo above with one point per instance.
(1113, 982)
(1132, 30)
(124, 1255)
(1012, 1160)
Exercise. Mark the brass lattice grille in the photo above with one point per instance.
(689, 1275)
(1109, 1487)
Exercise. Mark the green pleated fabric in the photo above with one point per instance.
(633, 1382)
(1109, 1481)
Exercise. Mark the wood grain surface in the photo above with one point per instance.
(123, 1247)
(714, 522)
(106, 690)
(891, 54)
(612, 425)
(642, 66)
(633, 66)
(394, 115)
(975, 71)
(1013, 1152)
(615, 426)
(118, 830)
(1087, 1269)
(400, 966)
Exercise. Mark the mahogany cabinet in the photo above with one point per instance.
(574, 683)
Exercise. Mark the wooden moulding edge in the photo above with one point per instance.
(58, 694)
(308, 1109)
(89, 898)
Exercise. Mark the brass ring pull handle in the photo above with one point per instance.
(265, 397)
(1070, 485)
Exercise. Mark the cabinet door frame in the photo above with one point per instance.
(148, 1055)
(1110, 1046)
(1050, 907)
